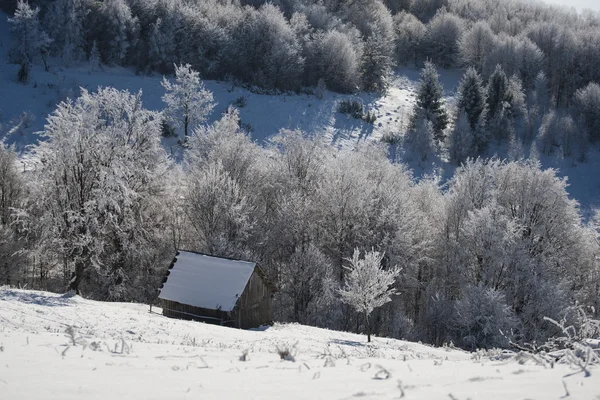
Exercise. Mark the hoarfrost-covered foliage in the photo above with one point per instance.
(100, 183)
(486, 257)
(31, 39)
(430, 102)
(367, 286)
(188, 102)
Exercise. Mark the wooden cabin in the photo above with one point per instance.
(217, 290)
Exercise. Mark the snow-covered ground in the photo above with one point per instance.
(124, 352)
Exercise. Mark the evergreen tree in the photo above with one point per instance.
(587, 107)
(95, 59)
(420, 138)
(496, 92)
(472, 98)
(31, 38)
(162, 46)
(430, 101)
(462, 141)
(64, 21)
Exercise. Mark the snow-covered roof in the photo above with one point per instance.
(206, 281)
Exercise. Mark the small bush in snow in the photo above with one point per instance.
(482, 317)
(391, 138)
(287, 353)
(240, 102)
(23, 74)
(354, 108)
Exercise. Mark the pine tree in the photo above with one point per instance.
(420, 138)
(95, 59)
(162, 45)
(430, 101)
(472, 98)
(188, 102)
(367, 285)
(31, 38)
(462, 140)
(496, 92)
(64, 21)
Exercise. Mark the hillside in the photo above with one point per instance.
(124, 352)
(24, 112)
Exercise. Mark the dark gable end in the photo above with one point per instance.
(217, 290)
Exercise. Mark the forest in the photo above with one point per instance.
(482, 260)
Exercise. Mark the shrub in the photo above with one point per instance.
(240, 102)
(354, 108)
(23, 74)
(482, 318)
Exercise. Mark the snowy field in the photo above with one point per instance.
(122, 351)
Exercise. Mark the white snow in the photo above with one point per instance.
(124, 352)
(207, 282)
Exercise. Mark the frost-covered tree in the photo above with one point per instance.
(31, 39)
(442, 41)
(65, 24)
(99, 190)
(462, 141)
(368, 286)
(12, 198)
(118, 31)
(410, 34)
(483, 319)
(188, 101)
(472, 98)
(218, 211)
(336, 59)
(587, 107)
(496, 91)
(162, 46)
(223, 181)
(94, 58)
(430, 101)
(419, 140)
(476, 44)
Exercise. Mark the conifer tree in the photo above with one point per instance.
(95, 59)
(462, 141)
(496, 92)
(31, 38)
(430, 101)
(472, 97)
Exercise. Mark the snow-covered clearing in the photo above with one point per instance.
(124, 352)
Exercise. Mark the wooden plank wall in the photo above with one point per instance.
(177, 310)
(255, 306)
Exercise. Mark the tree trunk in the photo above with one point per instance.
(186, 122)
(368, 328)
(77, 277)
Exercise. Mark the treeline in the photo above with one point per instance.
(498, 110)
(484, 258)
(293, 44)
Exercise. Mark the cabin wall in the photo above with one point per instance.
(255, 307)
(177, 310)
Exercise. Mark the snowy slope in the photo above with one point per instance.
(125, 352)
